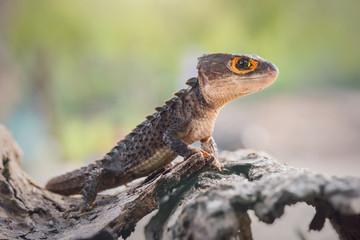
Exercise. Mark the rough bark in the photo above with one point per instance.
(194, 200)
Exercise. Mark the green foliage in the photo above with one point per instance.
(117, 59)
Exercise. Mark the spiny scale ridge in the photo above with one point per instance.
(192, 82)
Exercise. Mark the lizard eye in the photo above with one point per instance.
(242, 65)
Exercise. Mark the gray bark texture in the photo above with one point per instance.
(194, 200)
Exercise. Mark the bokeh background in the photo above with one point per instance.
(76, 76)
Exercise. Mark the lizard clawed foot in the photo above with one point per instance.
(88, 207)
(201, 152)
(83, 207)
(215, 163)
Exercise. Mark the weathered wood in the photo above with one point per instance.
(31, 212)
(194, 200)
(256, 181)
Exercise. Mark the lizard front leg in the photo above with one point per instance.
(209, 145)
(173, 141)
(177, 145)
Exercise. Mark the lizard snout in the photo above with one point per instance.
(272, 68)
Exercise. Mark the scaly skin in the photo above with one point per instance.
(183, 120)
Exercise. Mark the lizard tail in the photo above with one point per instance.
(71, 182)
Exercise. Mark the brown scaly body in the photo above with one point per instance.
(184, 119)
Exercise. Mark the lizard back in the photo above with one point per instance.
(143, 150)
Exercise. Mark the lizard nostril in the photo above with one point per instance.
(272, 67)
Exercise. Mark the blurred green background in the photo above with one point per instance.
(78, 75)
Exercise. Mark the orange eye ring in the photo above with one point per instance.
(251, 65)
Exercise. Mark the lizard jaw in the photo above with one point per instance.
(257, 83)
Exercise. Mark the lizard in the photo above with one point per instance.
(184, 119)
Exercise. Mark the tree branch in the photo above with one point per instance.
(194, 200)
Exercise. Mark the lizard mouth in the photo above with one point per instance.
(258, 82)
(261, 77)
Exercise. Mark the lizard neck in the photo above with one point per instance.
(202, 115)
(201, 106)
(217, 99)
(217, 96)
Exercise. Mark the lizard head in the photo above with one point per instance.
(224, 77)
